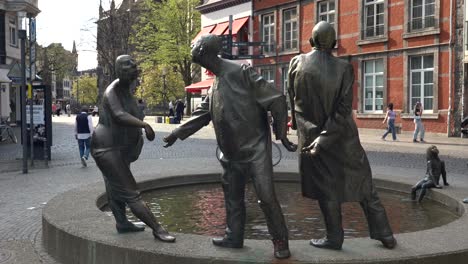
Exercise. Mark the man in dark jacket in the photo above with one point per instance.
(237, 105)
(83, 131)
(333, 165)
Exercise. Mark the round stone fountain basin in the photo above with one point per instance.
(76, 231)
(199, 209)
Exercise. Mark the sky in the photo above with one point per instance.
(65, 21)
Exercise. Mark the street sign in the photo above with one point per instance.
(38, 114)
(32, 30)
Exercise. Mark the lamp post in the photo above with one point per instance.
(22, 37)
(164, 73)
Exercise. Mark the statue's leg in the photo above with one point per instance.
(233, 182)
(118, 210)
(379, 227)
(426, 185)
(415, 188)
(331, 211)
(444, 173)
(123, 187)
(261, 172)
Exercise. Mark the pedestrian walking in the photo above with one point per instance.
(59, 108)
(83, 131)
(418, 125)
(54, 109)
(390, 119)
(171, 108)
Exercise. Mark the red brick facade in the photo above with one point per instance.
(398, 41)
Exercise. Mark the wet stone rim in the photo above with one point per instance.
(76, 231)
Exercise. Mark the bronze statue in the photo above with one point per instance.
(435, 168)
(237, 105)
(116, 142)
(333, 165)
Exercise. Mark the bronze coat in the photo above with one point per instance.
(237, 105)
(320, 89)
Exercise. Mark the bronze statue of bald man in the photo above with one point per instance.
(333, 165)
(116, 142)
(237, 106)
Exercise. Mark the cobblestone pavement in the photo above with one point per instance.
(22, 196)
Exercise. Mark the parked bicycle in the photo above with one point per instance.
(6, 132)
(276, 153)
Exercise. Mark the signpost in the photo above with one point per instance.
(32, 74)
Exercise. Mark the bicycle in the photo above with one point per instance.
(276, 153)
(6, 131)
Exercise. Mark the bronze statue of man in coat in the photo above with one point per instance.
(237, 106)
(333, 165)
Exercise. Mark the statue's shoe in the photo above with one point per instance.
(325, 243)
(281, 248)
(225, 242)
(388, 241)
(161, 234)
(128, 227)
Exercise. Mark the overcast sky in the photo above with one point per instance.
(62, 21)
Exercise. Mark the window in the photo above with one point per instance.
(284, 78)
(268, 31)
(13, 35)
(422, 14)
(268, 74)
(422, 81)
(373, 85)
(326, 11)
(374, 16)
(290, 35)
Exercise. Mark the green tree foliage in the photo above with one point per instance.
(153, 91)
(55, 58)
(85, 87)
(163, 38)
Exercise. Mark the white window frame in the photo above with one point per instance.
(373, 4)
(268, 74)
(13, 30)
(270, 38)
(284, 78)
(293, 23)
(427, 109)
(423, 17)
(374, 74)
(327, 13)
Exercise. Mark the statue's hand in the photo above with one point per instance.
(169, 140)
(149, 132)
(289, 145)
(313, 148)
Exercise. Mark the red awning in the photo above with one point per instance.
(220, 28)
(197, 87)
(204, 31)
(237, 25)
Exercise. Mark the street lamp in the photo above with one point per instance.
(22, 36)
(164, 73)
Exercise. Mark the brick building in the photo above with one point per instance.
(403, 51)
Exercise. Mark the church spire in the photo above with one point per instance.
(74, 48)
